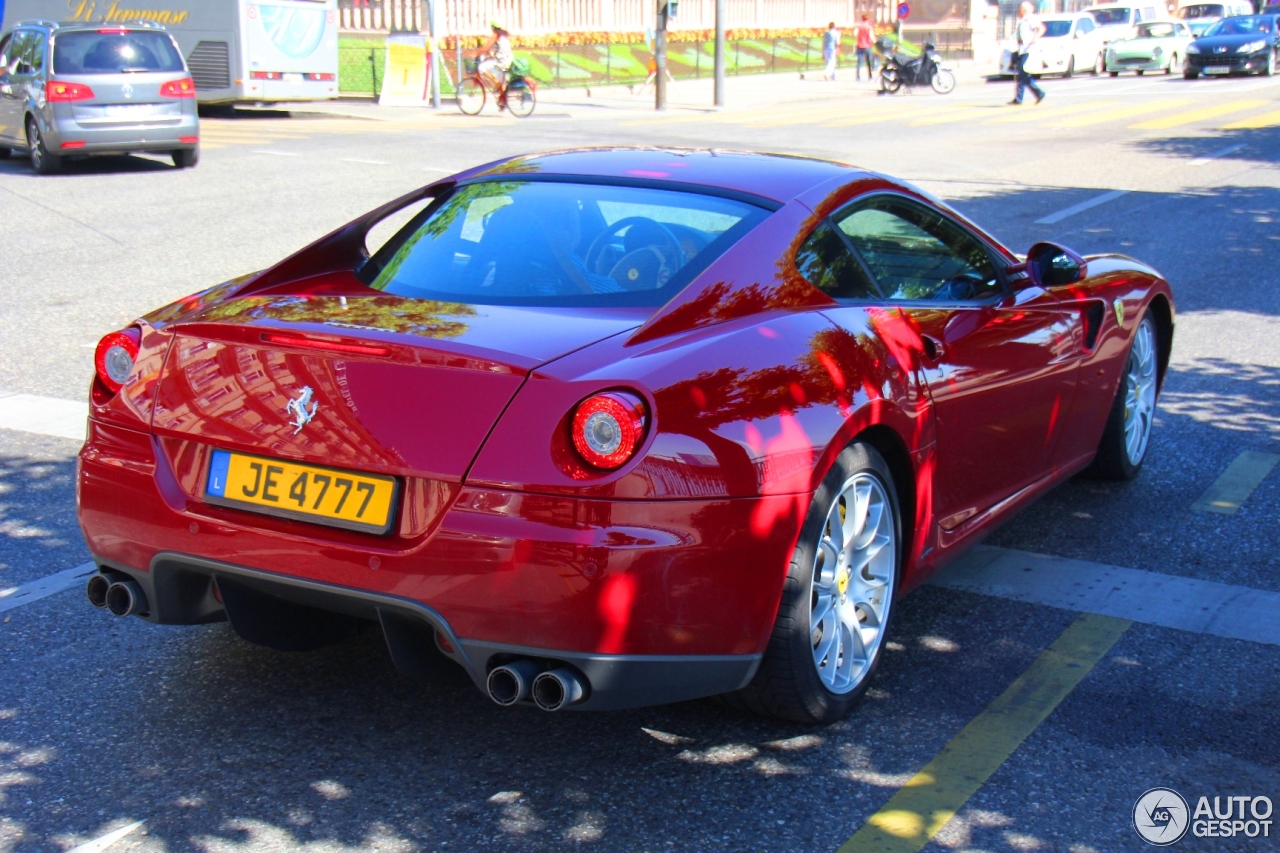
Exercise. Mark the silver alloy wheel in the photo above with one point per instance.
(35, 146)
(1140, 392)
(852, 583)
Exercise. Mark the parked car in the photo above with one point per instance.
(1246, 44)
(1157, 46)
(1117, 20)
(606, 428)
(1069, 43)
(73, 90)
(1201, 16)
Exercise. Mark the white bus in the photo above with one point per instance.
(238, 51)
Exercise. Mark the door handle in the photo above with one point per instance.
(932, 349)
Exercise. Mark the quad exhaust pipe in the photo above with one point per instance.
(550, 690)
(121, 596)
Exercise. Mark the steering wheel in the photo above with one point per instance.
(668, 247)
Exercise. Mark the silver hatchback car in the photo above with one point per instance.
(71, 90)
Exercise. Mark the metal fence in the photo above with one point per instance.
(530, 17)
(360, 67)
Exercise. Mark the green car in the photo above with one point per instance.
(1153, 46)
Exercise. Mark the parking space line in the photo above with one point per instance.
(97, 845)
(1152, 598)
(932, 797)
(1230, 149)
(1053, 218)
(1212, 111)
(1245, 473)
(276, 153)
(43, 415)
(16, 596)
(366, 162)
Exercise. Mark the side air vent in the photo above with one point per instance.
(210, 65)
(1093, 316)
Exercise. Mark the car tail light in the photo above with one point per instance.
(184, 88)
(266, 75)
(115, 356)
(320, 77)
(74, 144)
(608, 428)
(55, 91)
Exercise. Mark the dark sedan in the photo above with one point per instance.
(1247, 44)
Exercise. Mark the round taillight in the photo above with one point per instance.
(608, 429)
(115, 356)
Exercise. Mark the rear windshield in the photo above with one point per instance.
(114, 53)
(1107, 17)
(1155, 31)
(1206, 11)
(545, 243)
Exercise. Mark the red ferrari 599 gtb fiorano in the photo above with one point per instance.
(611, 428)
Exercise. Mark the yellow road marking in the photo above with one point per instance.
(1265, 120)
(1245, 473)
(885, 115)
(957, 114)
(1035, 113)
(1120, 113)
(1179, 119)
(919, 810)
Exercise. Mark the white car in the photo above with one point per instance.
(1201, 16)
(1068, 44)
(1117, 20)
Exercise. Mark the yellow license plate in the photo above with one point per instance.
(308, 492)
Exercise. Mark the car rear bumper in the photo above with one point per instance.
(667, 592)
(122, 138)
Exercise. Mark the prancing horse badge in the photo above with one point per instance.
(297, 408)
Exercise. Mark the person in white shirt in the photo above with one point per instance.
(830, 50)
(1027, 32)
(496, 58)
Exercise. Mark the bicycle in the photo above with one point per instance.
(519, 95)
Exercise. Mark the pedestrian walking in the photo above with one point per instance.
(866, 36)
(830, 50)
(1027, 32)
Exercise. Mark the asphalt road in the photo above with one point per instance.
(220, 746)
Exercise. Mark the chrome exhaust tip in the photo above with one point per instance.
(512, 682)
(555, 689)
(96, 589)
(125, 598)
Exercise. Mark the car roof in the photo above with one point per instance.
(777, 177)
(1065, 16)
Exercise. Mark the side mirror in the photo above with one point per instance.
(1051, 265)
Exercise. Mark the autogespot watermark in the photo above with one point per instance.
(1162, 817)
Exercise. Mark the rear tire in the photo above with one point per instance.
(1114, 73)
(1071, 66)
(471, 96)
(1175, 65)
(42, 161)
(185, 158)
(844, 571)
(1098, 65)
(1127, 435)
(522, 98)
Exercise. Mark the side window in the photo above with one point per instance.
(1086, 25)
(35, 53)
(918, 253)
(826, 262)
(17, 50)
(4, 52)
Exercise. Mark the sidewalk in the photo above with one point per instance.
(746, 92)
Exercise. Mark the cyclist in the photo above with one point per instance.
(495, 62)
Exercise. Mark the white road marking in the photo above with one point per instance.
(1245, 473)
(1188, 604)
(366, 162)
(16, 596)
(277, 153)
(43, 415)
(1200, 161)
(1054, 218)
(97, 845)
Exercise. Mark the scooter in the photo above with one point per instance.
(924, 70)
